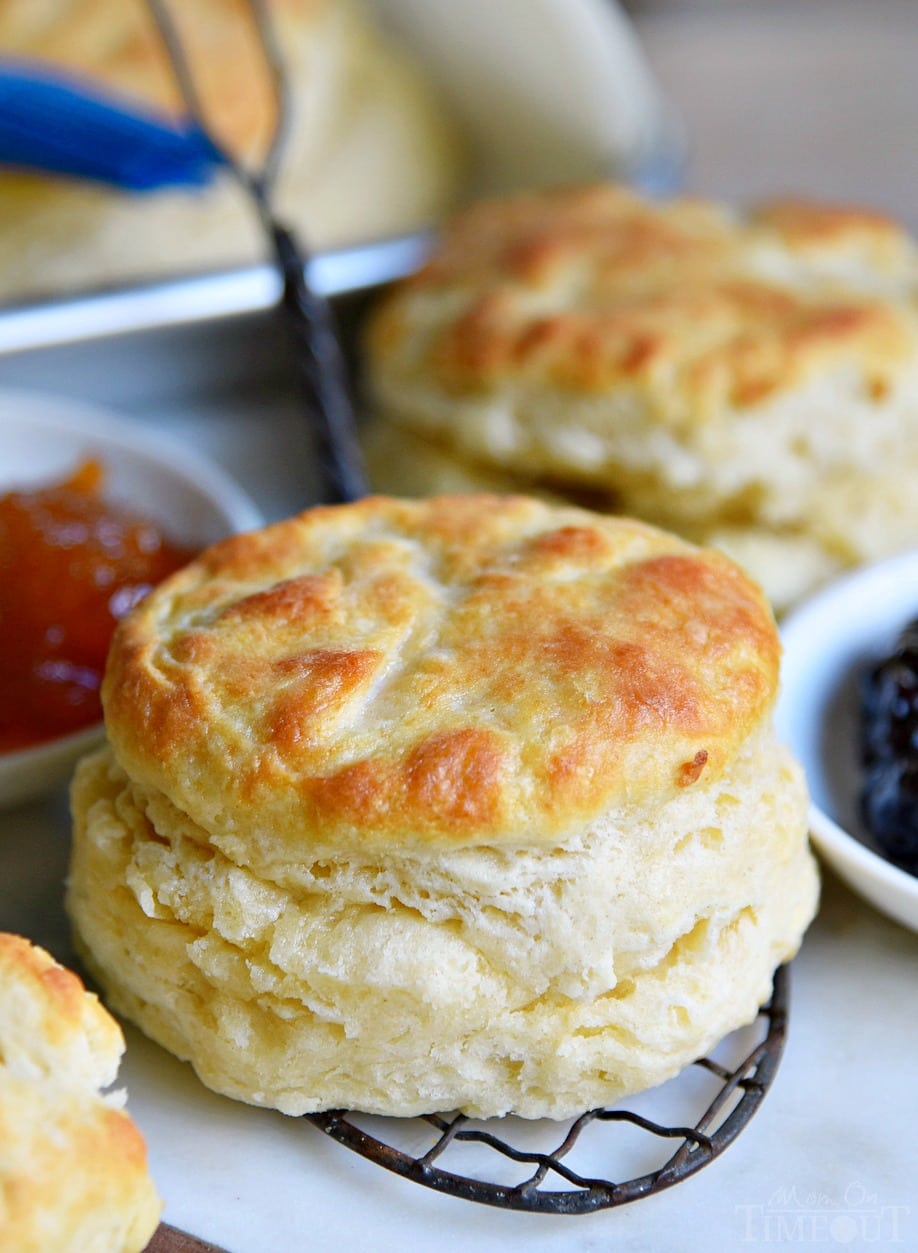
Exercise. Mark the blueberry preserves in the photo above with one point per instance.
(889, 752)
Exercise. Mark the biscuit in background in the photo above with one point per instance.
(73, 1169)
(471, 803)
(746, 380)
(372, 150)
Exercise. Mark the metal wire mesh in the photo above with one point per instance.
(471, 1160)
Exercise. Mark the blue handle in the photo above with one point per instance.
(54, 124)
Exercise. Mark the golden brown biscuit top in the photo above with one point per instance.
(115, 42)
(462, 670)
(697, 308)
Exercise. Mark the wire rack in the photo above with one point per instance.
(535, 1169)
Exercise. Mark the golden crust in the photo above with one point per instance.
(852, 234)
(696, 309)
(460, 671)
(73, 1166)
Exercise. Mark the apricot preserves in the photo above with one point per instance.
(71, 565)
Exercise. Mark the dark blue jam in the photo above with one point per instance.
(889, 752)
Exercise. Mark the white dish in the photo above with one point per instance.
(42, 439)
(829, 642)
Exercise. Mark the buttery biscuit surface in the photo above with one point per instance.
(695, 307)
(453, 671)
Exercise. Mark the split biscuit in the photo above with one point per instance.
(471, 803)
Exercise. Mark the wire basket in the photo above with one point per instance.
(713, 1099)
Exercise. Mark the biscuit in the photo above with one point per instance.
(471, 803)
(745, 380)
(371, 152)
(73, 1171)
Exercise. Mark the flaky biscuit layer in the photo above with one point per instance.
(539, 980)
(851, 517)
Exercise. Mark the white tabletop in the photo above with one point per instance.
(814, 96)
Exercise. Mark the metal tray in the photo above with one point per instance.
(187, 299)
(204, 297)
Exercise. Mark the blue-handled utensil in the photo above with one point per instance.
(54, 123)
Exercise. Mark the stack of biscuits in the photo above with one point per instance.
(467, 803)
(747, 380)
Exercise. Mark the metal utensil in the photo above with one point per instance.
(310, 322)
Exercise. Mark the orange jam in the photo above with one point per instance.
(71, 564)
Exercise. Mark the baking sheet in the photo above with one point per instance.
(199, 298)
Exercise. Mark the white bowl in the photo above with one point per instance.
(828, 644)
(42, 439)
